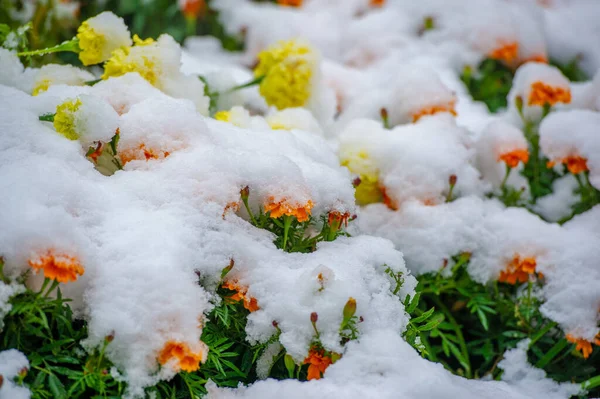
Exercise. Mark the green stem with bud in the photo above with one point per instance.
(71, 46)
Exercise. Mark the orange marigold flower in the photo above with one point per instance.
(290, 3)
(192, 9)
(576, 164)
(58, 266)
(250, 303)
(513, 157)
(187, 360)
(141, 153)
(317, 362)
(582, 345)
(434, 110)
(536, 58)
(280, 208)
(338, 218)
(542, 94)
(377, 3)
(518, 271)
(507, 52)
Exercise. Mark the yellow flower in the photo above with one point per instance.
(368, 189)
(223, 116)
(64, 120)
(99, 36)
(287, 69)
(41, 87)
(91, 44)
(121, 63)
(139, 42)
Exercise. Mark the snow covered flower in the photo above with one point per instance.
(286, 71)
(359, 162)
(99, 36)
(158, 62)
(283, 207)
(185, 358)
(512, 158)
(64, 119)
(240, 117)
(87, 119)
(142, 58)
(506, 52)
(141, 152)
(518, 270)
(250, 303)
(293, 118)
(57, 266)
(582, 345)
(570, 138)
(417, 93)
(54, 74)
(575, 164)
(434, 109)
(317, 363)
(537, 85)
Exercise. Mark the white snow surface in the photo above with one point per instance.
(149, 234)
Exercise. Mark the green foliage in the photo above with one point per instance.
(571, 70)
(490, 83)
(478, 323)
(43, 329)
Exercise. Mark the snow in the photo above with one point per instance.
(155, 236)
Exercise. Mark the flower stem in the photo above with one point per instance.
(44, 285)
(70, 45)
(508, 170)
(253, 82)
(287, 222)
(245, 201)
(47, 117)
(52, 287)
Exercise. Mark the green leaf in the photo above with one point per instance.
(437, 319)
(56, 387)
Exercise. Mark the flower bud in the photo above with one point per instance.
(452, 180)
(289, 364)
(350, 308)
(314, 317)
(356, 182)
(519, 105)
(110, 337)
(245, 193)
(1, 381)
(227, 269)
